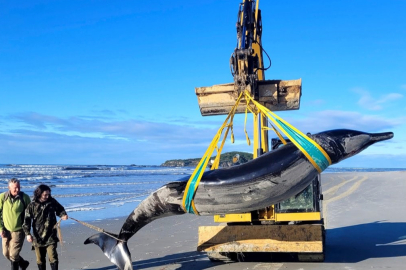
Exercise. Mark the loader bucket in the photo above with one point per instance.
(276, 95)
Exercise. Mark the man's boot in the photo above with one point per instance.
(54, 266)
(23, 263)
(42, 266)
(14, 265)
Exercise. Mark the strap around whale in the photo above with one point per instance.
(194, 180)
(313, 152)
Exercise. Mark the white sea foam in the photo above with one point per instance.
(81, 209)
(93, 194)
(44, 173)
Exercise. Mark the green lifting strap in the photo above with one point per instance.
(308, 146)
(188, 201)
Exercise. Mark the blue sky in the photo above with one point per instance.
(112, 82)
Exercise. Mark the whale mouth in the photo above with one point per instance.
(378, 137)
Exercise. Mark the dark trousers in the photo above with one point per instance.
(41, 253)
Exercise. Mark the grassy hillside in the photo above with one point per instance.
(226, 160)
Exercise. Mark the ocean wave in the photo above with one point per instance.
(106, 184)
(121, 199)
(54, 172)
(95, 194)
(80, 209)
(118, 203)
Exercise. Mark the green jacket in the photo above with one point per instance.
(42, 217)
(12, 211)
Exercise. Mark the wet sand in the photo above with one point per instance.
(365, 215)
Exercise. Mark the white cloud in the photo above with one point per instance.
(174, 132)
(370, 103)
(89, 140)
(26, 146)
(331, 119)
(36, 138)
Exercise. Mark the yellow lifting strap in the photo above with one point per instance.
(313, 152)
(277, 133)
(194, 180)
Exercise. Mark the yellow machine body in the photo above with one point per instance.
(276, 228)
(265, 215)
(293, 226)
(265, 238)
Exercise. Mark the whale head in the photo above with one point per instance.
(344, 143)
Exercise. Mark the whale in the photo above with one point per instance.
(269, 179)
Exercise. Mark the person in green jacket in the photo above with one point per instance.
(12, 209)
(41, 215)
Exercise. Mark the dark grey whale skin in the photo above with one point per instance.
(269, 179)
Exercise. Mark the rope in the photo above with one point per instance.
(96, 228)
(58, 228)
(59, 231)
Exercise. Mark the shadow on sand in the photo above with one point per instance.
(371, 240)
(343, 245)
(187, 260)
(353, 244)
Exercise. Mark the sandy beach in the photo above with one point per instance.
(365, 221)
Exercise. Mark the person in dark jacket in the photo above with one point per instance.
(42, 212)
(12, 208)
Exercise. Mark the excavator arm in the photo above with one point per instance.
(246, 61)
(247, 69)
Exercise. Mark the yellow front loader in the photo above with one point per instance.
(292, 226)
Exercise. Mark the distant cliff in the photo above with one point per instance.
(226, 160)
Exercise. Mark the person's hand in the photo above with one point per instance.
(29, 238)
(65, 217)
(3, 234)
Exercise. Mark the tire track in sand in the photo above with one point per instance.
(334, 189)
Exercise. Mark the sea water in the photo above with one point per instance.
(102, 191)
(93, 192)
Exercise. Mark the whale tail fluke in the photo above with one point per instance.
(116, 251)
